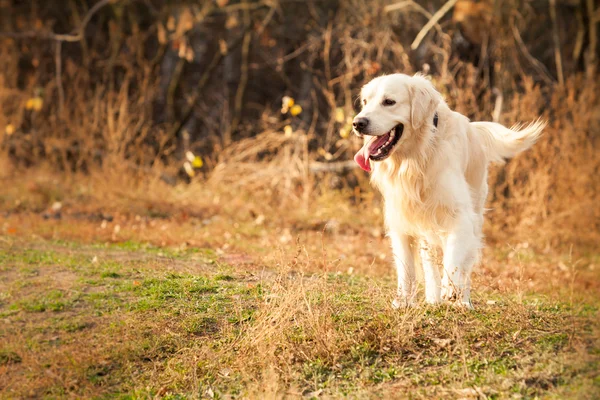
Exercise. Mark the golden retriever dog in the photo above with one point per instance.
(430, 164)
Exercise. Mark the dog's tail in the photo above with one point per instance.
(502, 143)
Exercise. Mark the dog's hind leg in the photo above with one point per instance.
(405, 267)
(460, 254)
(431, 273)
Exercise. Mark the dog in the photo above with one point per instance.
(430, 164)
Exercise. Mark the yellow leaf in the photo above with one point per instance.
(197, 163)
(339, 115)
(10, 129)
(325, 154)
(38, 103)
(35, 103)
(295, 110)
(345, 132)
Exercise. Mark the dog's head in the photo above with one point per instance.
(394, 110)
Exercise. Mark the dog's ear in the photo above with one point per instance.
(424, 99)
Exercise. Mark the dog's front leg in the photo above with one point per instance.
(431, 273)
(405, 267)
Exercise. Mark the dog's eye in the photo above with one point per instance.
(388, 102)
(365, 102)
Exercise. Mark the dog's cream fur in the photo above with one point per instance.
(434, 182)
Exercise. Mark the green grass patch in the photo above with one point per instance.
(131, 327)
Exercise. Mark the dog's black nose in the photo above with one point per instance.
(360, 124)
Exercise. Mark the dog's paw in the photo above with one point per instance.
(433, 301)
(400, 303)
(464, 304)
(449, 294)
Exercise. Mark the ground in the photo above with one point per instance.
(163, 303)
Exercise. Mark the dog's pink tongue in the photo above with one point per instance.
(362, 157)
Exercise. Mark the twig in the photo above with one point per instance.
(327, 52)
(243, 6)
(172, 88)
(580, 35)
(397, 6)
(76, 36)
(416, 6)
(266, 21)
(59, 85)
(309, 134)
(433, 21)
(556, 38)
(497, 105)
(532, 60)
(239, 93)
(340, 166)
(203, 80)
(591, 59)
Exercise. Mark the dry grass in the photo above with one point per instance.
(262, 276)
(111, 124)
(200, 292)
(167, 322)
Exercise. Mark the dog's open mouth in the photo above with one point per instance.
(378, 148)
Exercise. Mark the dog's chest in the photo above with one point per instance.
(415, 209)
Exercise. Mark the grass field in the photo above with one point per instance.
(174, 306)
(181, 218)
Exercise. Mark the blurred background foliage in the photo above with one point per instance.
(259, 94)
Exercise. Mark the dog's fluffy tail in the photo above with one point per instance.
(502, 143)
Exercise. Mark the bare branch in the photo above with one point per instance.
(76, 36)
(432, 22)
(397, 6)
(417, 7)
(593, 35)
(339, 166)
(556, 38)
(532, 60)
(58, 71)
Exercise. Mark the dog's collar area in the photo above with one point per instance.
(435, 120)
